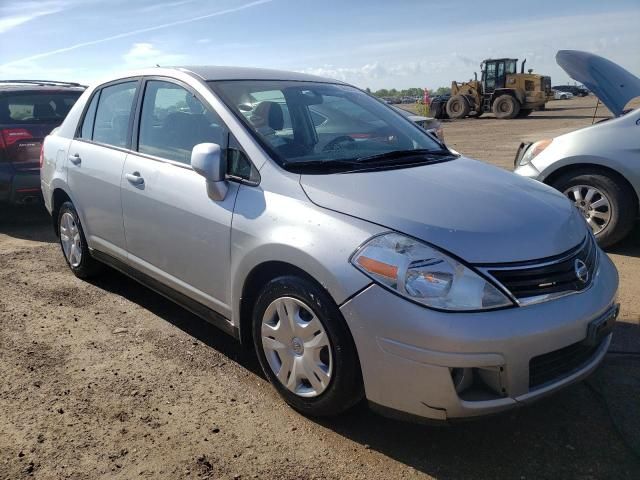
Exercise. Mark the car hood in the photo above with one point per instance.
(481, 213)
(611, 83)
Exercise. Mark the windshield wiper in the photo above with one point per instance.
(409, 156)
(311, 164)
(398, 154)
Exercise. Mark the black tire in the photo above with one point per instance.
(437, 110)
(524, 112)
(458, 107)
(506, 107)
(624, 205)
(88, 266)
(345, 387)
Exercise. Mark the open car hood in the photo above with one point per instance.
(611, 83)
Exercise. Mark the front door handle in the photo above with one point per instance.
(75, 159)
(134, 178)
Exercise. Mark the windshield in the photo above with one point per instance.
(307, 122)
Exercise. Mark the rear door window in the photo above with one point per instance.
(111, 126)
(36, 107)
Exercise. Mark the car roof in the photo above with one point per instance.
(211, 72)
(39, 85)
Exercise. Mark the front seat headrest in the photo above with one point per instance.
(268, 114)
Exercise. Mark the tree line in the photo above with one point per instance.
(408, 92)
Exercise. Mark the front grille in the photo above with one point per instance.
(552, 277)
(559, 363)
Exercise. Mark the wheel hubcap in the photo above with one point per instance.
(70, 239)
(297, 347)
(593, 204)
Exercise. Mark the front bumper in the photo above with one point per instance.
(408, 352)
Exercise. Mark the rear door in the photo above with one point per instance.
(175, 233)
(94, 165)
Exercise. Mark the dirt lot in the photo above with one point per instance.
(108, 379)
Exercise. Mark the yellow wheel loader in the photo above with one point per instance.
(501, 90)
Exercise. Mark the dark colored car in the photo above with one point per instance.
(437, 106)
(29, 110)
(576, 90)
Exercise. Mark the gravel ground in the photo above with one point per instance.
(110, 380)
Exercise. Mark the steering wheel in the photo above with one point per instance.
(336, 144)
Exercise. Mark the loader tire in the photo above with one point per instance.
(458, 107)
(506, 107)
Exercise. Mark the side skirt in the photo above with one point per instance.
(193, 306)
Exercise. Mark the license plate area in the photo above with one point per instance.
(601, 326)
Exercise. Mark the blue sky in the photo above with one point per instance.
(372, 43)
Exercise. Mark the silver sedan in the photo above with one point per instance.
(598, 167)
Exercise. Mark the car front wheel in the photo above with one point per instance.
(305, 348)
(606, 202)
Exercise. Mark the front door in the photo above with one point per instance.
(95, 162)
(174, 232)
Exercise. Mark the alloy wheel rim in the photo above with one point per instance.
(593, 204)
(297, 347)
(70, 239)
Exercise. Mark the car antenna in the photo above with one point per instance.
(595, 111)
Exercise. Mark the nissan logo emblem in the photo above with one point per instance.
(582, 272)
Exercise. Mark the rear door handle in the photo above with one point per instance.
(134, 178)
(75, 159)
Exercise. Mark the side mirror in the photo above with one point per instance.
(206, 159)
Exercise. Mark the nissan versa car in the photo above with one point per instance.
(597, 167)
(356, 259)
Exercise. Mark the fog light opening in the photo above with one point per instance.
(462, 378)
(479, 384)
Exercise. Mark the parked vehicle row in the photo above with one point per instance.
(560, 95)
(320, 226)
(29, 110)
(574, 90)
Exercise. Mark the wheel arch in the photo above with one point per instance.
(257, 278)
(58, 197)
(552, 176)
(506, 91)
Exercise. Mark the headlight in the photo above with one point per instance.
(534, 150)
(423, 274)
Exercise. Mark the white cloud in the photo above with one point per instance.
(137, 32)
(146, 55)
(436, 57)
(15, 14)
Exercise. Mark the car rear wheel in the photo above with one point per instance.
(74, 244)
(457, 107)
(305, 348)
(506, 107)
(606, 202)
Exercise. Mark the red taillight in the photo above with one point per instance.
(41, 155)
(13, 135)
